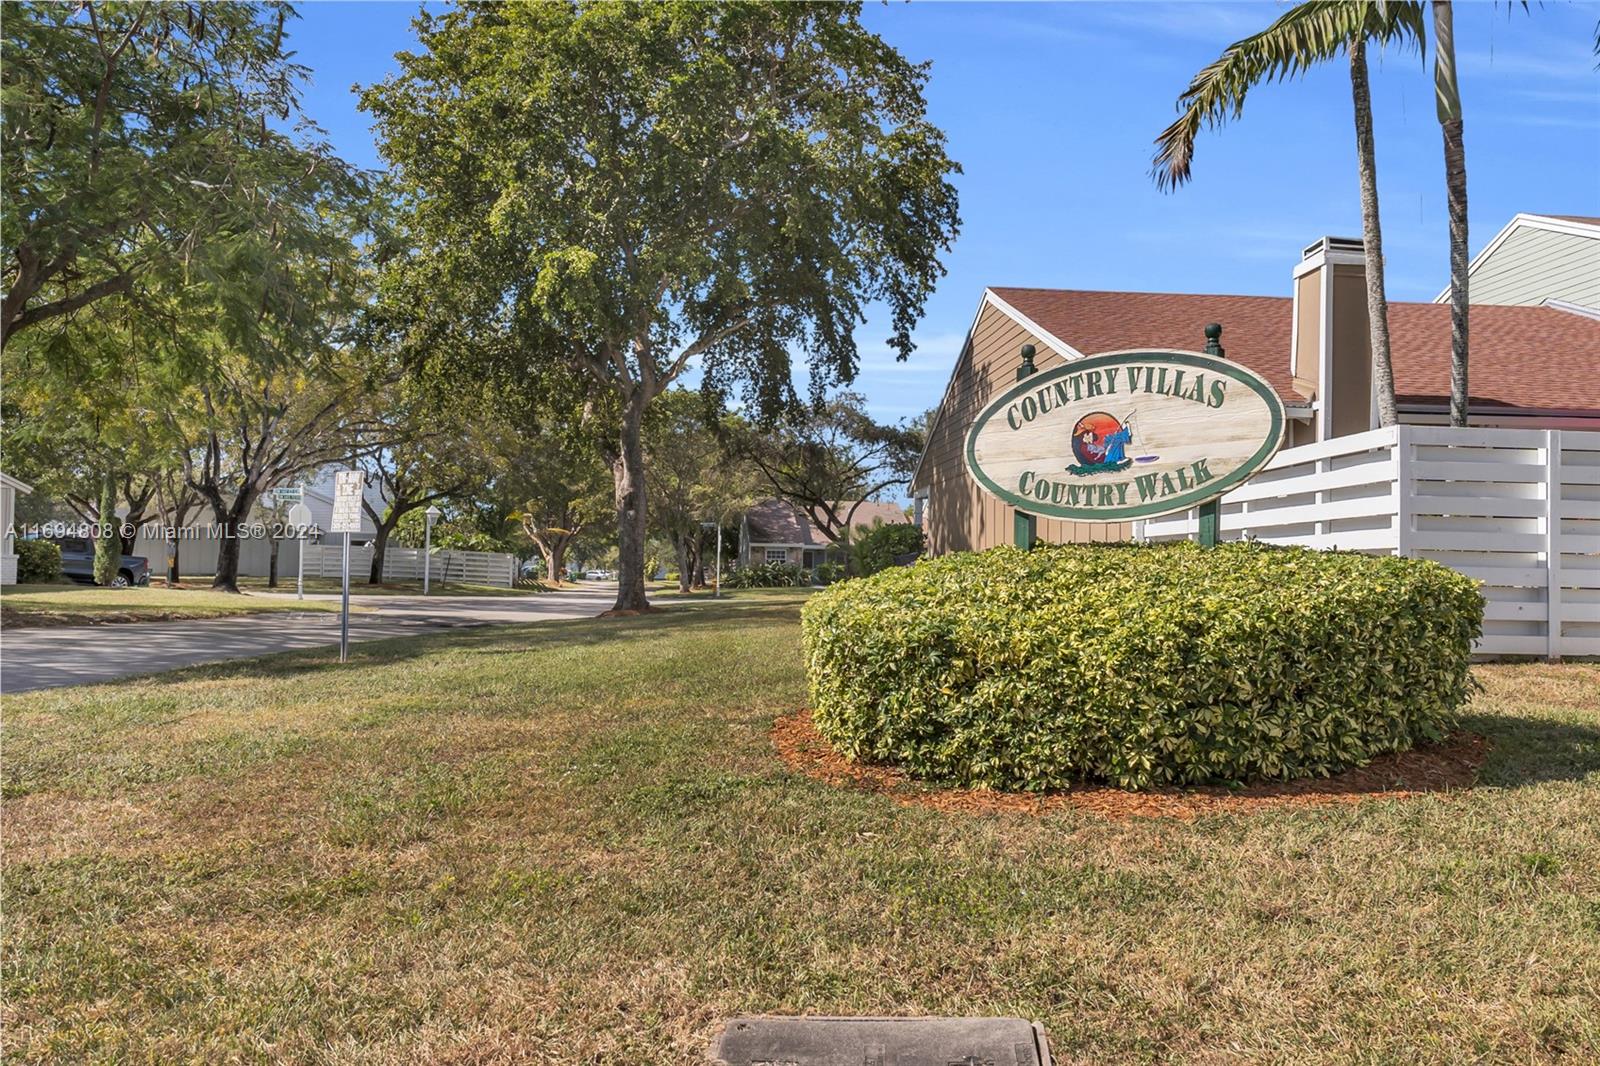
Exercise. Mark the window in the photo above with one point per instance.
(777, 555)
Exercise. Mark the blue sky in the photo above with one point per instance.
(1051, 109)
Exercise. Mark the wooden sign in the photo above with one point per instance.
(1125, 435)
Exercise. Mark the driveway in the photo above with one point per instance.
(78, 655)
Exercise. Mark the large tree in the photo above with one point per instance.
(692, 479)
(143, 148)
(633, 189)
(1309, 33)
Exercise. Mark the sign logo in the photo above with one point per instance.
(1125, 435)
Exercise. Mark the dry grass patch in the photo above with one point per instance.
(574, 842)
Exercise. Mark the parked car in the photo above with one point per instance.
(77, 563)
(597, 575)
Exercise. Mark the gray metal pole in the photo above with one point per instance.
(427, 553)
(716, 590)
(344, 610)
(300, 569)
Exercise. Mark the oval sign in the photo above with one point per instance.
(1125, 435)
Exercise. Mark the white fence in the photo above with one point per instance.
(197, 555)
(405, 564)
(1518, 509)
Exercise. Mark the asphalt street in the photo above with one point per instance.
(47, 656)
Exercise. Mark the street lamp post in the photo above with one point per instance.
(431, 514)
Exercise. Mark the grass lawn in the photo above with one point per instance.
(573, 842)
(45, 605)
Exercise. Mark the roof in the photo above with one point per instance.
(1584, 220)
(778, 521)
(1539, 358)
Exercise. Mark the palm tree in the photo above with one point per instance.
(1307, 34)
(1448, 100)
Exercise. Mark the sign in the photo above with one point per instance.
(287, 494)
(300, 515)
(348, 486)
(1125, 435)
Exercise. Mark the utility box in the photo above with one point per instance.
(771, 1040)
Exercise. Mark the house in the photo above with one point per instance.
(1535, 360)
(1538, 259)
(9, 487)
(778, 531)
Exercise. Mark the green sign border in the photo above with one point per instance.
(1211, 364)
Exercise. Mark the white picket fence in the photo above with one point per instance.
(405, 564)
(1518, 509)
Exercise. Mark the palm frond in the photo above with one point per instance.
(1307, 34)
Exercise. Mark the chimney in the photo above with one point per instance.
(1329, 355)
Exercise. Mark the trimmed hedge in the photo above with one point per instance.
(38, 562)
(1140, 666)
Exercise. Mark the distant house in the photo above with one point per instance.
(1549, 260)
(9, 487)
(777, 531)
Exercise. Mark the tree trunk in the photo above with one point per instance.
(380, 544)
(108, 545)
(272, 565)
(1372, 237)
(1448, 93)
(680, 545)
(556, 560)
(627, 472)
(226, 579)
(229, 519)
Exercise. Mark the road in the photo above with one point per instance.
(48, 656)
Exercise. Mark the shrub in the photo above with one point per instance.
(828, 573)
(769, 576)
(38, 562)
(876, 548)
(1139, 666)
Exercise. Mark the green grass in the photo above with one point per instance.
(572, 842)
(43, 605)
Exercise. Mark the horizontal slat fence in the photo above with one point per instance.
(405, 564)
(1517, 509)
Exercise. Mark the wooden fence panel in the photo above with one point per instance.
(1518, 510)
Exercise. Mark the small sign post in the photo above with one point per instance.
(1024, 526)
(300, 518)
(348, 486)
(1210, 512)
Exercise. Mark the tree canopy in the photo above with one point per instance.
(630, 189)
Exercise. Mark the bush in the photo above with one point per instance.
(1139, 666)
(38, 562)
(828, 573)
(769, 576)
(876, 549)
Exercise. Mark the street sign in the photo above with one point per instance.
(1125, 435)
(300, 515)
(348, 486)
(287, 494)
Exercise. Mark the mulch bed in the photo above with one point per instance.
(1429, 768)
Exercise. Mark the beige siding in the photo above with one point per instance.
(959, 516)
(1351, 365)
(1532, 265)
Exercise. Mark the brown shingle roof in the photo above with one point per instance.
(1532, 357)
(1588, 220)
(778, 521)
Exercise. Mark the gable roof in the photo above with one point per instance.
(778, 521)
(1539, 358)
